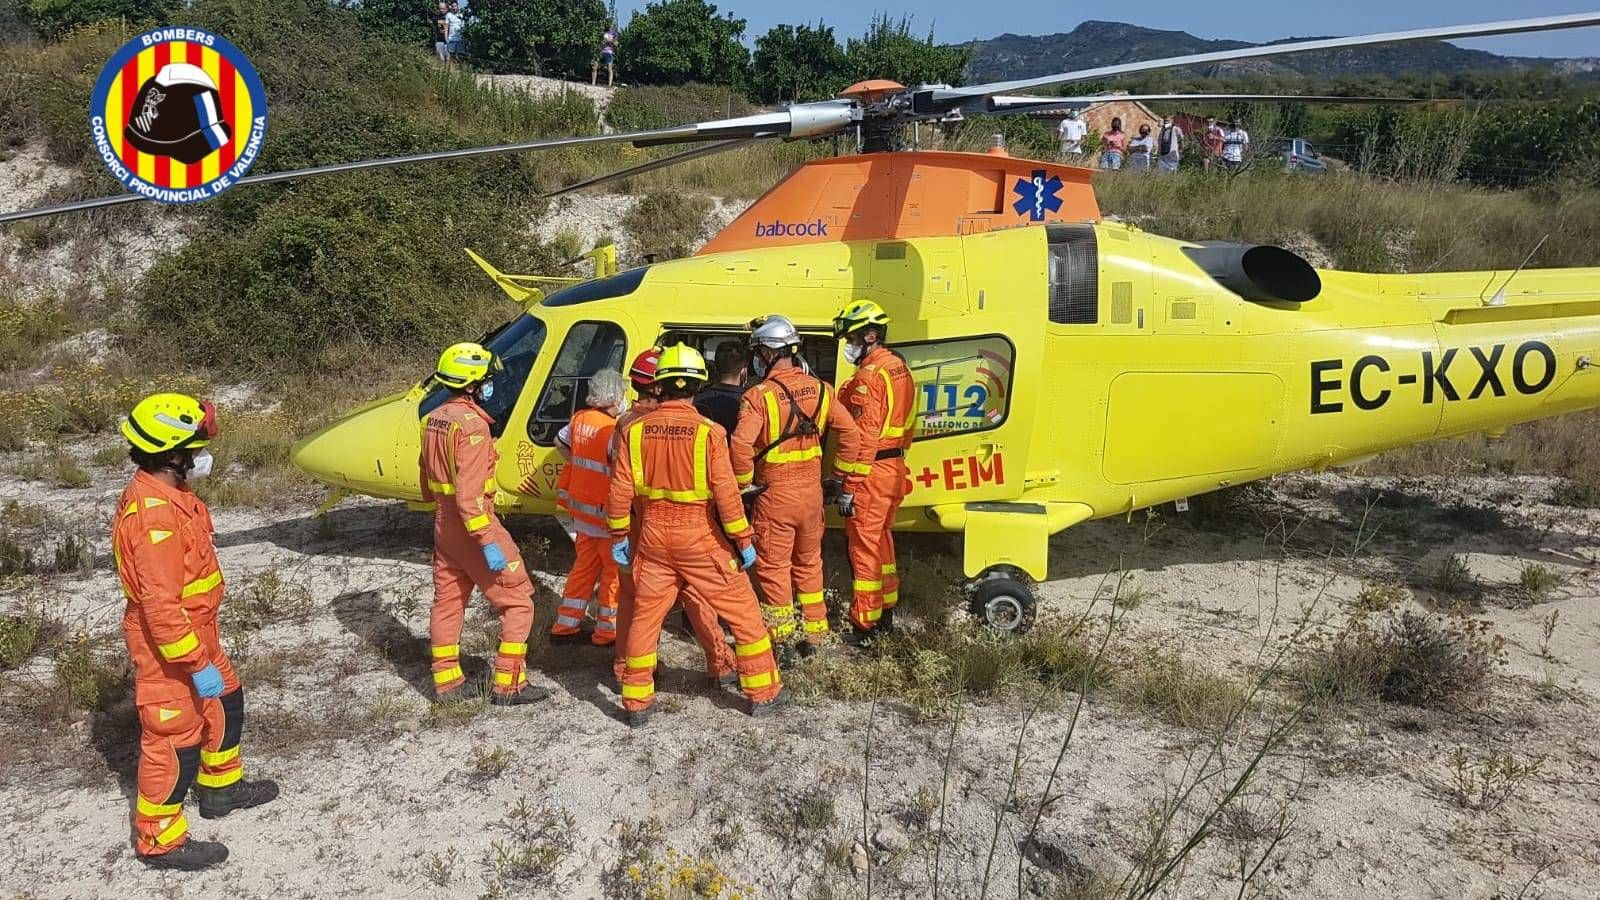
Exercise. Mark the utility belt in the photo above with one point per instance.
(892, 453)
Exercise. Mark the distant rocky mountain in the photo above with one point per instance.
(1094, 44)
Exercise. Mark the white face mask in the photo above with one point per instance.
(854, 352)
(202, 466)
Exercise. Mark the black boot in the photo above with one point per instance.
(771, 707)
(886, 623)
(218, 802)
(806, 649)
(860, 640)
(640, 718)
(191, 856)
(728, 679)
(529, 694)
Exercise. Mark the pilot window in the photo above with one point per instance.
(819, 350)
(515, 345)
(589, 347)
(962, 385)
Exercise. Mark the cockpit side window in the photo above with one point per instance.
(589, 347)
(515, 346)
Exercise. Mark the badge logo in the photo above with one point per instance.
(178, 115)
(1037, 195)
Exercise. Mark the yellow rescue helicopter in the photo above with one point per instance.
(1069, 368)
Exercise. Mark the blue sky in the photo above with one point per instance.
(960, 20)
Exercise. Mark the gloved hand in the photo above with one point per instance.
(622, 552)
(208, 682)
(847, 505)
(495, 557)
(747, 556)
(831, 489)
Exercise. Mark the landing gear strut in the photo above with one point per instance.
(1001, 599)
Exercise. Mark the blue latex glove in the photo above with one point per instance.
(208, 682)
(622, 552)
(747, 556)
(495, 557)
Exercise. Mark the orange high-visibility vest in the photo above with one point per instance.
(587, 475)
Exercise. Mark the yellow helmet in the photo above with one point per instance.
(162, 422)
(858, 314)
(463, 365)
(682, 363)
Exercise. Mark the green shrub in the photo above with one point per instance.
(24, 634)
(89, 679)
(1404, 657)
(1182, 693)
(1576, 494)
(638, 108)
(668, 223)
(27, 331)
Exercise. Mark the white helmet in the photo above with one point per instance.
(776, 332)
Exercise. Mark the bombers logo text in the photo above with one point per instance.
(178, 115)
(1454, 374)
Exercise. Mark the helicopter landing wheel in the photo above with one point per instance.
(1003, 602)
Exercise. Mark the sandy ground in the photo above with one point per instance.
(385, 797)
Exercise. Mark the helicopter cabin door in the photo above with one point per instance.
(969, 452)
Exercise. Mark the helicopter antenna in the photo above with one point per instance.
(1498, 298)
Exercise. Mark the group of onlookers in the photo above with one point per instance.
(1161, 149)
(448, 23)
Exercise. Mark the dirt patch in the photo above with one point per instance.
(387, 793)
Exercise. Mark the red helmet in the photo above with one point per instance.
(643, 370)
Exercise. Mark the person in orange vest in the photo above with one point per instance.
(673, 462)
(470, 546)
(777, 448)
(581, 491)
(702, 619)
(188, 696)
(881, 396)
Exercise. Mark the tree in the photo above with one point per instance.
(403, 21)
(889, 51)
(797, 62)
(57, 16)
(678, 41)
(558, 38)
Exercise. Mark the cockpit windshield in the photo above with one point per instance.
(515, 346)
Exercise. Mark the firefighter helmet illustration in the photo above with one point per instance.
(177, 113)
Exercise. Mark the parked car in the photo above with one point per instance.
(1299, 156)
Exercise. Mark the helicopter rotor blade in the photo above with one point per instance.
(936, 100)
(801, 121)
(662, 163)
(1003, 104)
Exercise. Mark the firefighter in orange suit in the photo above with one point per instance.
(777, 447)
(674, 463)
(720, 665)
(881, 396)
(581, 491)
(190, 702)
(470, 546)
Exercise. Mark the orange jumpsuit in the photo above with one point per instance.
(582, 492)
(788, 514)
(674, 462)
(702, 618)
(458, 462)
(161, 540)
(881, 396)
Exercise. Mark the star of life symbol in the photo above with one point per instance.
(1037, 195)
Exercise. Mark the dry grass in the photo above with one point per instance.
(1181, 692)
(1401, 657)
